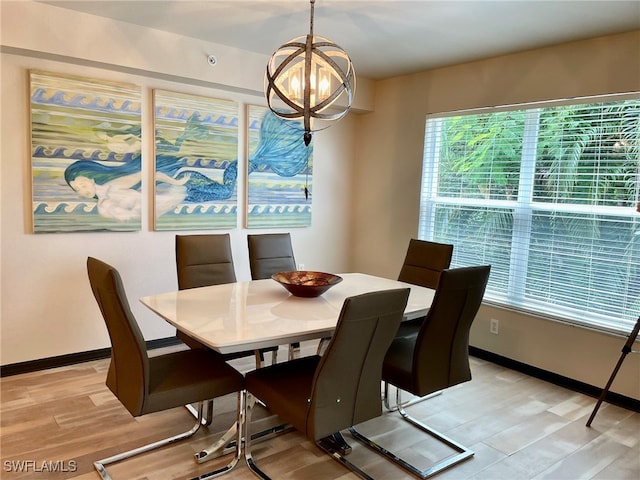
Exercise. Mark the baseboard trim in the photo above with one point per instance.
(560, 380)
(73, 358)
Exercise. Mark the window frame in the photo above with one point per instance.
(523, 209)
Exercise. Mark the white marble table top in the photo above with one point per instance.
(261, 313)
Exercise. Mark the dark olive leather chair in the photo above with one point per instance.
(437, 356)
(322, 395)
(204, 260)
(146, 384)
(422, 266)
(271, 253)
(424, 261)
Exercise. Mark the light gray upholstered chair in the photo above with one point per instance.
(322, 395)
(146, 384)
(437, 356)
(204, 260)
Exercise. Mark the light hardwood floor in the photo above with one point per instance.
(519, 427)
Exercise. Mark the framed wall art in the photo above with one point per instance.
(85, 154)
(196, 162)
(279, 168)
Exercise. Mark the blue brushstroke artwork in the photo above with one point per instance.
(196, 167)
(85, 154)
(280, 166)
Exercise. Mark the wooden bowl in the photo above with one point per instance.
(305, 283)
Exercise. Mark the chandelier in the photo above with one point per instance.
(311, 78)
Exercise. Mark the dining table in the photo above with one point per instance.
(254, 314)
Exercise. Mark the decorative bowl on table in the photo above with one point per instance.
(305, 283)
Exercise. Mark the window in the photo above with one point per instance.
(548, 197)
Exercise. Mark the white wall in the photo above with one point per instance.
(389, 161)
(46, 304)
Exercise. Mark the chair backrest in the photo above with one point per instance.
(203, 260)
(270, 253)
(424, 262)
(128, 376)
(441, 352)
(346, 385)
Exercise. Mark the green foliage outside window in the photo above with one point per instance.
(548, 196)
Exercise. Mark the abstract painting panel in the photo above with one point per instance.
(85, 154)
(280, 165)
(196, 162)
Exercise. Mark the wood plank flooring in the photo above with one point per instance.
(55, 423)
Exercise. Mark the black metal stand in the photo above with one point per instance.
(625, 350)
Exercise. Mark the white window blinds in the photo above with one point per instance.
(548, 197)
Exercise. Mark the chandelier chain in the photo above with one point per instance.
(313, 2)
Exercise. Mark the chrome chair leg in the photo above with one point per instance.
(329, 447)
(249, 403)
(207, 417)
(101, 465)
(462, 452)
(193, 411)
(388, 406)
(386, 398)
(258, 355)
(322, 345)
(336, 442)
(260, 358)
(209, 413)
(294, 350)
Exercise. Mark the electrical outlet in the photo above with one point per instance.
(493, 326)
(301, 266)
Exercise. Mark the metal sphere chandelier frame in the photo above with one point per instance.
(311, 78)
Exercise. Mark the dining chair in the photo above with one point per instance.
(322, 395)
(204, 260)
(436, 357)
(271, 253)
(145, 384)
(423, 263)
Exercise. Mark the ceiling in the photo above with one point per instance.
(383, 38)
